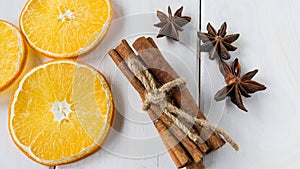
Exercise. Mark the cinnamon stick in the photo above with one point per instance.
(177, 153)
(186, 142)
(152, 57)
(200, 143)
(126, 52)
(173, 146)
(213, 139)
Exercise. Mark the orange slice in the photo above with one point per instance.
(65, 28)
(61, 112)
(12, 54)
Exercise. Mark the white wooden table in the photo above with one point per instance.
(268, 134)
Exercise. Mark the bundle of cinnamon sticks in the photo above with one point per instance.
(184, 151)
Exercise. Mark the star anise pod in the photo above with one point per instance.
(237, 86)
(217, 43)
(170, 25)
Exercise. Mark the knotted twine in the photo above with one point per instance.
(157, 96)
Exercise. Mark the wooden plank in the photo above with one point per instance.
(269, 133)
(133, 141)
(10, 156)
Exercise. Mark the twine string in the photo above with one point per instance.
(157, 96)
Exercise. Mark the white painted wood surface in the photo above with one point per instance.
(133, 141)
(268, 134)
(10, 156)
(132, 19)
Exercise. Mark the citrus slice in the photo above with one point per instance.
(65, 28)
(60, 112)
(12, 54)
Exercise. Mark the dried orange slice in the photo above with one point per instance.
(12, 54)
(60, 112)
(65, 29)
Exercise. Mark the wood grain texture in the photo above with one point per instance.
(12, 158)
(124, 10)
(269, 41)
(269, 133)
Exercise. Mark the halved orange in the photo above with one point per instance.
(61, 112)
(12, 54)
(65, 28)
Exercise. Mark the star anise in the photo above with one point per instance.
(170, 25)
(237, 86)
(217, 43)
